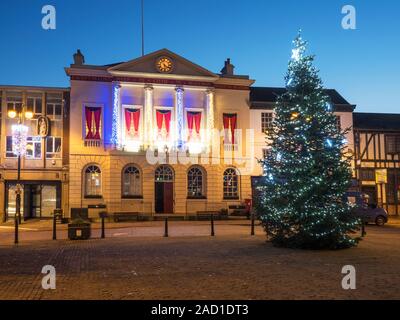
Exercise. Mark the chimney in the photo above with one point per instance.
(228, 69)
(79, 58)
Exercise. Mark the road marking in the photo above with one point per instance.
(12, 227)
(119, 234)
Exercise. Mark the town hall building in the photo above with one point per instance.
(157, 135)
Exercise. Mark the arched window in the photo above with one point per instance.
(131, 182)
(231, 184)
(93, 182)
(164, 173)
(196, 183)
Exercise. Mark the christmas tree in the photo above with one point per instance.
(306, 171)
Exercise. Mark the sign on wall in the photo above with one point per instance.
(381, 176)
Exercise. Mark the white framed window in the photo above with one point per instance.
(231, 184)
(14, 100)
(54, 106)
(92, 181)
(53, 147)
(131, 182)
(34, 104)
(267, 119)
(34, 148)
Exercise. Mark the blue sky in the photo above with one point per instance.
(363, 64)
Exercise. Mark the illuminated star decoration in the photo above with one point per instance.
(296, 54)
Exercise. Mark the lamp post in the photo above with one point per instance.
(19, 141)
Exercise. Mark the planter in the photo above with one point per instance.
(79, 231)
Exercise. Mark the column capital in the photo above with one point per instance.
(179, 89)
(148, 87)
(210, 90)
(117, 84)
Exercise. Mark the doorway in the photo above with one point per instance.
(164, 189)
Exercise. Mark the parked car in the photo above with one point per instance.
(368, 212)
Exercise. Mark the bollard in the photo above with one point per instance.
(103, 231)
(363, 233)
(212, 226)
(54, 227)
(166, 228)
(16, 240)
(252, 225)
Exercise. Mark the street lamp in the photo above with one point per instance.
(19, 142)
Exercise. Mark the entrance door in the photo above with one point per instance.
(164, 190)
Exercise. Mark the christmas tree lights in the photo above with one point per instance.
(307, 174)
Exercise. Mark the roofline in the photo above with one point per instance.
(379, 113)
(10, 86)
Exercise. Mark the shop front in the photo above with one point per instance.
(38, 200)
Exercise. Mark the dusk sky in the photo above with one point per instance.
(363, 64)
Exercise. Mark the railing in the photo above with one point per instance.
(93, 143)
(230, 147)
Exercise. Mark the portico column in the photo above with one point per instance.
(179, 95)
(148, 115)
(210, 115)
(116, 116)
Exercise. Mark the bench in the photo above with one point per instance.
(125, 216)
(239, 210)
(206, 215)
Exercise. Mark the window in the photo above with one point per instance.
(131, 182)
(393, 144)
(93, 123)
(14, 101)
(34, 148)
(367, 174)
(9, 148)
(93, 182)
(231, 190)
(53, 148)
(196, 183)
(338, 123)
(393, 187)
(230, 126)
(266, 121)
(34, 104)
(266, 152)
(164, 174)
(54, 106)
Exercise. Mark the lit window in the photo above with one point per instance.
(131, 182)
(196, 183)
(34, 148)
(231, 190)
(164, 174)
(53, 148)
(9, 148)
(267, 119)
(93, 182)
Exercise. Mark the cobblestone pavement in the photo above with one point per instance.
(232, 265)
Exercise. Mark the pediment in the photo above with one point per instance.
(149, 64)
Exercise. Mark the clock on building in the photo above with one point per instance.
(164, 65)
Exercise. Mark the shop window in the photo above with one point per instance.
(131, 182)
(92, 182)
(53, 148)
(196, 183)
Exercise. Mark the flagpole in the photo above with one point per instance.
(142, 28)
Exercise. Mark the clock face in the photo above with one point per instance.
(164, 65)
